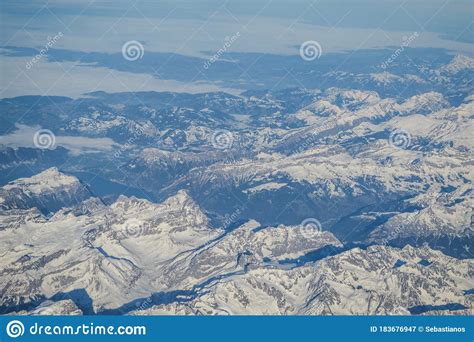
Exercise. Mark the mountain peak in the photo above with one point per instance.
(48, 191)
(458, 63)
(182, 198)
(48, 180)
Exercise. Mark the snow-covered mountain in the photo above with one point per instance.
(123, 251)
(165, 258)
(109, 252)
(64, 307)
(46, 191)
(379, 280)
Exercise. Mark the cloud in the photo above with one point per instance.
(24, 137)
(73, 79)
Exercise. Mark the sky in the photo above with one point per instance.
(199, 29)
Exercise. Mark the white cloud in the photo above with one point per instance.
(72, 79)
(24, 137)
